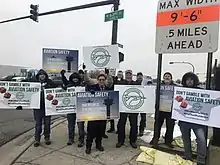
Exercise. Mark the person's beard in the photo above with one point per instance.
(167, 81)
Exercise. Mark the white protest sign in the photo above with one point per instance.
(61, 102)
(100, 57)
(136, 98)
(187, 26)
(14, 94)
(196, 106)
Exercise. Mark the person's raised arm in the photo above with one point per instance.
(64, 79)
(109, 79)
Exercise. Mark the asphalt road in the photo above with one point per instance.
(13, 123)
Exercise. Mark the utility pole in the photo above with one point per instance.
(115, 24)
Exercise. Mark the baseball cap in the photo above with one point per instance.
(128, 71)
(139, 74)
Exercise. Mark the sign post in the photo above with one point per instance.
(186, 26)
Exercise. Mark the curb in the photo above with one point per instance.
(11, 152)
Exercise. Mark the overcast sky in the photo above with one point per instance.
(22, 41)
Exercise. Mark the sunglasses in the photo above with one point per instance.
(101, 79)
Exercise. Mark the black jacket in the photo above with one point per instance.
(125, 82)
(138, 82)
(96, 87)
(46, 84)
(70, 83)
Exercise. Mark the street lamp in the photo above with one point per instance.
(183, 62)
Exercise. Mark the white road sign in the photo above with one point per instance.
(100, 57)
(187, 26)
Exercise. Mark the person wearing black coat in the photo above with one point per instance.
(75, 80)
(39, 114)
(159, 120)
(190, 80)
(96, 129)
(143, 120)
(116, 80)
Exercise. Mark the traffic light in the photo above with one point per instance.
(121, 57)
(34, 12)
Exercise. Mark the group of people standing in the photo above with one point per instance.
(96, 129)
(189, 80)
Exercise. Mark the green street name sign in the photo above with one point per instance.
(114, 15)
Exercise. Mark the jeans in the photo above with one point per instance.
(143, 122)
(199, 131)
(133, 118)
(170, 123)
(39, 117)
(81, 130)
(112, 124)
(71, 118)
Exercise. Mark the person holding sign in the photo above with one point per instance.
(74, 81)
(117, 80)
(39, 114)
(143, 115)
(91, 81)
(190, 80)
(133, 118)
(96, 129)
(166, 97)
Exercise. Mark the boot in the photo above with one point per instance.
(105, 136)
(81, 144)
(154, 143)
(141, 132)
(119, 144)
(47, 141)
(100, 148)
(36, 143)
(99, 145)
(70, 142)
(133, 144)
(111, 130)
(168, 144)
(88, 150)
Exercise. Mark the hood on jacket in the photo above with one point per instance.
(40, 72)
(75, 75)
(191, 75)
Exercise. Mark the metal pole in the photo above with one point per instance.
(115, 24)
(209, 71)
(157, 107)
(91, 5)
(208, 82)
(193, 68)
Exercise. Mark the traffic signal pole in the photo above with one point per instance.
(115, 24)
(86, 6)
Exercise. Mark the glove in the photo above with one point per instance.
(92, 92)
(64, 87)
(84, 66)
(62, 72)
(106, 71)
